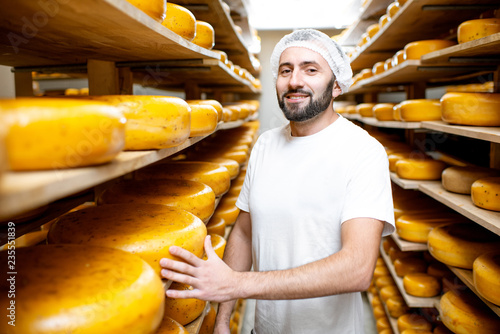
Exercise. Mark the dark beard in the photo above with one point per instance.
(313, 109)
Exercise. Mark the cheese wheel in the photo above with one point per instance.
(386, 331)
(480, 109)
(57, 133)
(213, 175)
(384, 281)
(396, 306)
(205, 35)
(218, 244)
(396, 253)
(376, 301)
(223, 56)
(366, 73)
(181, 21)
(420, 110)
(147, 230)
(392, 9)
(459, 179)
(420, 169)
(383, 20)
(382, 323)
(388, 64)
(396, 156)
(421, 285)
(485, 193)
(486, 276)
(372, 30)
(227, 211)
(214, 103)
(463, 312)
(415, 227)
(216, 225)
(389, 291)
(153, 122)
(365, 109)
(170, 326)
(155, 9)
(416, 331)
(409, 265)
(380, 271)
(204, 119)
(233, 168)
(459, 244)
(383, 111)
(398, 58)
(208, 324)
(438, 269)
(378, 68)
(192, 196)
(396, 112)
(379, 312)
(185, 310)
(417, 49)
(476, 29)
(81, 288)
(413, 321)
(29, 239)
(387, 244)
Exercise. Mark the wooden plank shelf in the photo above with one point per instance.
(74, 31)
(466, 276)
(491, 134)
(481, 51)
(463, 205)
(408, 246)
(23, 191)
(417, 20)
(390, 124)
(411, 301)
(194, 326)
(403, 183)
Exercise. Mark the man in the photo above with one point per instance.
(314, 205)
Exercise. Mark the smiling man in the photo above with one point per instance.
(314, 205)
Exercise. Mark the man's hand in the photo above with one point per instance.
(211, 279)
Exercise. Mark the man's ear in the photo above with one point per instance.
(336, 91)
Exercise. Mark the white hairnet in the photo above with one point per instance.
(321, 43)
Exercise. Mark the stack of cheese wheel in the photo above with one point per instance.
(181, 310)
(478, 109)
(82, 288)
(384, 111)
(396, 306)
(192, 196)
(459, 179)
(476, 29)
(54, 133)
(486, 276)
(417, 49)
(420, 169)
(459, 244)
(155, 9)
(212, 174)
(365, 109)
(463, 312)
(205, 35)
(485, 193)
(153, 122)
(420, 110)
(227, 210)
(421, 284)
(181, 21)
(147, 230)
(413, 321)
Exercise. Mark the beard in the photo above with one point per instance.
(315, 107)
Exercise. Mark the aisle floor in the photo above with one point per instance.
(370, 327)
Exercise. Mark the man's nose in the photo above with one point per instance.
(296, 79)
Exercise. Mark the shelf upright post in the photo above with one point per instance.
(23, 82)
(495, 147)
(125, 81)
(192, 90)
(103, 77)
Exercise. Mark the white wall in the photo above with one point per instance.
(7, 87)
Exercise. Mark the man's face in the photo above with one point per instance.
(305, 85)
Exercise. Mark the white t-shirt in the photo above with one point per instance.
(299, 190)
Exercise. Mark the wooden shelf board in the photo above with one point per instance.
(111, 30)
(412, 23)
(390, 124)
(23, 191)
(407, 246)
(463, 205)
(411, 301)
(466, 276)
(491, 134)
(407, 184)
(478, 49)
(194, 326)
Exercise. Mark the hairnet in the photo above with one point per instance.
(321, 43)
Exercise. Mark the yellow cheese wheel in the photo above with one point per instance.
(392, 9)
(421, 285)
(208, 324)
(441, 329)
(227, 114)
(463, 312)
(408, 265)
(372, 30)
(389, 291)
(485, 193)
(223, 56)
(56, 133)
(378, 68)
(459, 179)
(213, 175)
(420, 169)
(155, 9)
(416, 331)
(204, 119)
(181, 21)
(147, 230)
(192, 196)
(398, 58)
(218, 244)
(366, 73)
(420, 110)
(383, 281)
(386, 331)
(380, 271)
(379, 312)
(459, 244)
(396, 112)
(216, 225)
(365, 109)
(205, 35)
(388, 64)
(383, 111)
(81, 288)
(214, 103)
(438, 269)
(475, 29)
(186, 310)
(382, 323)
(376, 301)
(413, 321)
(396, 253)
(387, 244)
(417, 49)
(383, 20)
(396, 306)
(232, 166)
(486, 276)
(227, 211)
(480, 109)
(396, 156)
(415, 227)
(153, 122)
(170, 326)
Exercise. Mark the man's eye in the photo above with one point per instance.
(285, 71)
